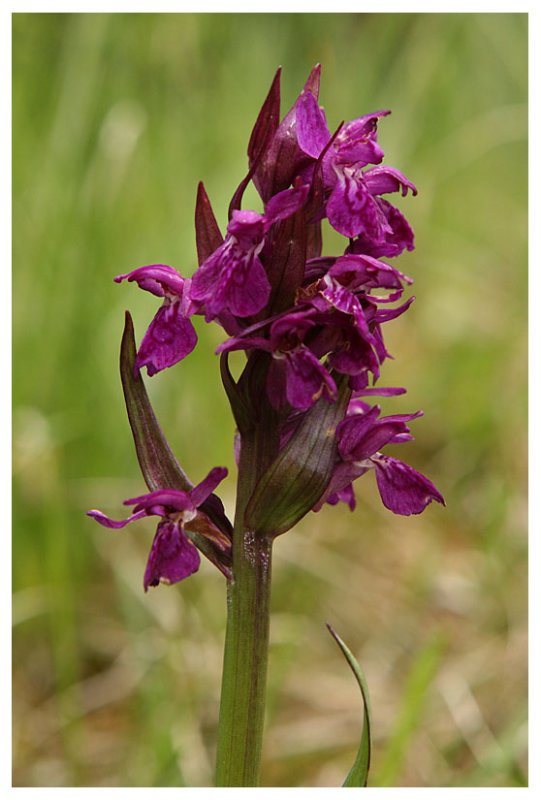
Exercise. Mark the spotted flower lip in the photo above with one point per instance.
(172, 556)
(233, 279)
(170, 336)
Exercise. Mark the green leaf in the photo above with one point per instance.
(158, 464)
(299, 475)
(358, 774)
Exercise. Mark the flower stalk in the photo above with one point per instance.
(244, 678)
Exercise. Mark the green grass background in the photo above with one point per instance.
(116, 118)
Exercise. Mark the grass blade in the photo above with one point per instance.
(358, 774)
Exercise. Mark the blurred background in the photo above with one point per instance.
(116, 119)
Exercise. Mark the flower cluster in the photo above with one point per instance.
(315, 322)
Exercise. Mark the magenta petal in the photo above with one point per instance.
(358, 271)
(200, 492)
(403, 490)
(384, 315)
(107, 522)
(172, 556)
(247, 228)
(246, 289)
(357, 141)
(164, 498)
(243, 343)
(401, 236)
(346, 495)
(233, 279)
(341, 481)
(381, 391)
(355, 357)
(382, 180)
(204, 280)
(285, 203)
(398, 235)
(158, 279)
(381, 434)
(351, 209)
(169, 338)
(312, 131)
(352, 431)
(306, 379)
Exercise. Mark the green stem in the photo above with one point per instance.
(242, 709)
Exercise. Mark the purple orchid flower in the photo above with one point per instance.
(354, 207)
(295, 373)
(360, 437)
(170, 336)
(350, 317)
(233, 278)
(172, 556)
